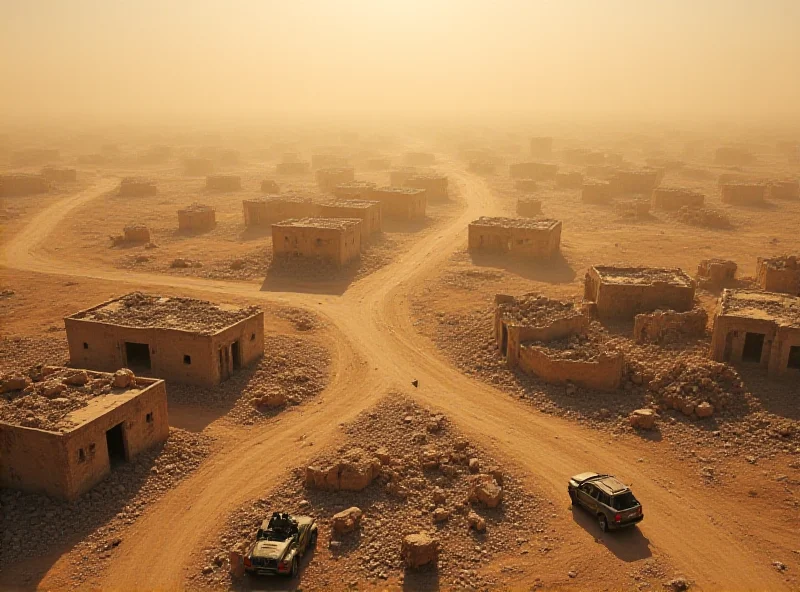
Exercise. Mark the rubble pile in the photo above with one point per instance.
(705, 217)
(34, 525)
(586, 348)
(535, 310)
(696, 386)
(410, 476)
(17, 352)
(44, 396)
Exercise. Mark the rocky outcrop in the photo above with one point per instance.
(353, 472)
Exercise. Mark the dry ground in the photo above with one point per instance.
(697, 526)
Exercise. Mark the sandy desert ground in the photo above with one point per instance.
(721, 495)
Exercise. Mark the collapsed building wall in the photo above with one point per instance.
(354, 190)
(137, 187)
(136, 233)
(596, 192)
(675, 198)
(635, 181)
(181, 339)
(743, 193)
(668, 326)
(17, 184)
(779, 274)
(336, 241)
(623, 292)
(536, 238)
(197, 218)
(572, 180)
(784, 189)
(602, 372)
(716, 272)
(198, 167)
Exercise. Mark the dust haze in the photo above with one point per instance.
(399, 295)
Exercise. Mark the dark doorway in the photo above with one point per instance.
(236, 355)
(137, 356)
(794, 357)
(753, 345)
(504, 341)
(115, 440)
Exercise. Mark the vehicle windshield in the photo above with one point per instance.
(272, 535)
(624, 501)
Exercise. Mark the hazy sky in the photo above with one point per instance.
(731, 58)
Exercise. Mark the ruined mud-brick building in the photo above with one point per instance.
(59, 175)
(779, 274)
(419, 158)
(623, 292)
(180, 339)
(435, 186)
(22, 184)
(328, 161)
(546, 338)
(731, 156)
(743, 193)
(34, 156)
(398, 177)
(760, 328)
(198, 167)
(369, 212)
(354, 190)
(596, 192)
(572, 180)
(541, 147)
(532, 317)
(583, 156)
(675, 198)
(636, 181)
(270, 187)
(400, 203)
(291, 168)
(529, 237)
(267, 210)
(481, 167)
(784, 189)
(136, 233)
(328, 179)
(333, 240)
(538, 171)
(223, 183)
(716, 272)
(89, 427)
(378, 164)
(529, 207)
(137, 187)
(668, 326)
(197, 218)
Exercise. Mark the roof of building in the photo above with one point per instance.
(410, 191)
(781, 262)
(782, 309)
(534, 310)
(196, 209)
(165, 312)
(610, 274)
(328, 223)
(526, 223)
(349, 203)
(273, 198)
(55, 403)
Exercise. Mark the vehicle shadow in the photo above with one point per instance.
(421, 580)
(628, 544)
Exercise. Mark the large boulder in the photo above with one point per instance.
(124, 378)
(643, 419)
(486, 491)
(418, 550)
(704, 410)
(12, 383)
(347, 520)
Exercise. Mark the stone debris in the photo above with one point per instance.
(346, 521)
(418, 550)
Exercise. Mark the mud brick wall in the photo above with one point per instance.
(594, 193)
(516, 335)
(603, 373)
(784, 279)
(535, 243)
(339, 246)
(401, 205)
(328, 179)
(728, 339)
(664, 326)
(529, 207)
(137, 234)
(16, 184)
(266, 212)
(370, 216)
(194, 220)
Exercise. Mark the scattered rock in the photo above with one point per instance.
(418, 550)
(347, 520)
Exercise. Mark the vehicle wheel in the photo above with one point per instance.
(313, 542)
(295, 567)
(601, 520)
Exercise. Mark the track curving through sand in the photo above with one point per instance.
(378, 349)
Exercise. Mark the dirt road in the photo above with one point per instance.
(378, 350)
